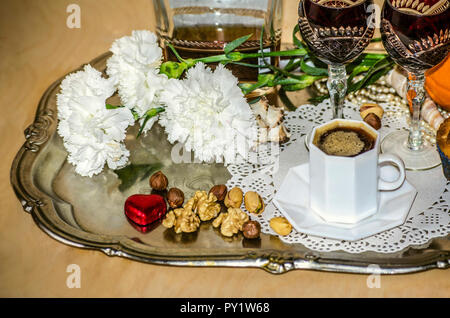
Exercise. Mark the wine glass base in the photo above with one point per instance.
(425, 158)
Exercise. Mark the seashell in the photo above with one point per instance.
(431, 114)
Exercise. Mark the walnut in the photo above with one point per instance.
(191, 204)
(231, 222)
(218, 220)
(187, 221)
(182, 220)
(206, 208)
(169, 220)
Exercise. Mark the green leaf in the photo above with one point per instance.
(303, 81)
(254, 101)
(263, 80)
(133, 173)
(356, 71)
(151, 113)
(285, 100)
(248, 64)
(381, 64)
(236, 43)
(311, 70)
(375, 72)
(295, 39)
(135, 114)
(268, 79)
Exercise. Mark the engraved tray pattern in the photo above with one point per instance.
(88, 213)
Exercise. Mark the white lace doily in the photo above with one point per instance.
(429, 216)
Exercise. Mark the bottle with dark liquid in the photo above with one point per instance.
(200, 28)
(416, 36)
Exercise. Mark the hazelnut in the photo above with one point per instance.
(158, 181)
(175, 198)
(254, 203)
(370, 108)
(372, 114)
(373, 120)
(234, 198)
(281, 226)
(220, 191)
(251, 229)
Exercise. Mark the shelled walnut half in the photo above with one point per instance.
(231, 222)
(182, 220)
(206, 207)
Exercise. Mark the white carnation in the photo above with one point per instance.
(134, 69)
(209, 114)
(138, 52)
(141, 90)
(92, 134)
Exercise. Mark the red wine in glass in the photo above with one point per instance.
(337, 32)
(416, 36)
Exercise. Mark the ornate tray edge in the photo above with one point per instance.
(276, 262)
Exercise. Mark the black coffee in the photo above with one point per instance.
(345, 141)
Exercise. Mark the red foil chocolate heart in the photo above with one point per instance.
(144, 209)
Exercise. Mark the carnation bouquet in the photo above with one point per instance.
(204, 109)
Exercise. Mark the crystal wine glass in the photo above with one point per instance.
(337, 32)
(416, 36)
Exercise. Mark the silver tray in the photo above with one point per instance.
(88, 213)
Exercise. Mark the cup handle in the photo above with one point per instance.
(393, 185)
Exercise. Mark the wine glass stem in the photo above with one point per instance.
(416, 97)
(337, 87)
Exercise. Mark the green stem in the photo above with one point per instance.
(238, 56)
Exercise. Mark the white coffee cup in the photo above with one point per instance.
(346, 189)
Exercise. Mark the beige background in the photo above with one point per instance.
(36, 48)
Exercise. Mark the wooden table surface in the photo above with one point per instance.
(36, 48)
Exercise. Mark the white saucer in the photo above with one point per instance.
(292, 200)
